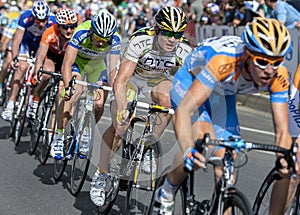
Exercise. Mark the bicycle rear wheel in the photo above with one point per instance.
(81, 159)
(141, 186)
(60, 165)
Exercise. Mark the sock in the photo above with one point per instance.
(102, 171)
(59, 133)
(10, 105)
(168, 190)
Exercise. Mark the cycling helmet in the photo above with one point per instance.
(104, 24)
(267, 36)
(65, 16)
(40, 10)
(171, 19)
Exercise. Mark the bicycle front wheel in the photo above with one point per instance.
(84, 148)
(36, 126)
(19, 119)
(142, 184)
(234, 202)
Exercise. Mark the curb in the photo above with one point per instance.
(255, 101)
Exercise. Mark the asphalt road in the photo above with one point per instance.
(27, 187)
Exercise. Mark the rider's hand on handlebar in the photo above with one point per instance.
(66, 95)
(122, 117)
(193, 160)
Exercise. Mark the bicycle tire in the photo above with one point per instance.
(60, 165)
(81, 161)
(262, 199)
(140, 191)
(235, 201)
(36, 125)
(20, 119)
(49, 130)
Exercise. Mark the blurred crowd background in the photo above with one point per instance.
(134, 14)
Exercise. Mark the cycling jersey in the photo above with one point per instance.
(217, 63)
(294, 117)
(151, 63)
(50, 38)
(32, 34)
(89, 58)
(11, 28)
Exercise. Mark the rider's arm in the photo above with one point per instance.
(66, 68)
(280, 119)
(40, 56)
(124, 74)
(113, 62)
(195, 97)
(16, 42)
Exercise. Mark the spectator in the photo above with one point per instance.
(262, 8)
(243, 14)
(285, 13)
(197, 9)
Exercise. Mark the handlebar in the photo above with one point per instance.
(239, 144)
(90, 86)
(41, 71)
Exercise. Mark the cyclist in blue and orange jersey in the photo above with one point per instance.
(94, 45)
(52, 49)
(150, 55)
(6, 41)
(32, 23)
(203, 94)
(294, 114)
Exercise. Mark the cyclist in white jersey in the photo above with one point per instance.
(150, 53)
(205, 87)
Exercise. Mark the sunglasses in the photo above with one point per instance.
(101, 39)
(66, 27)
(40, 20)
(263, 63)
(176, 35)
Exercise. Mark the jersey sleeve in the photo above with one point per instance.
(279, 87)
(116, 45)
(24, 20)
(48, 36)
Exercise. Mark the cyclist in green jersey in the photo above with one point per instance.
(86, 53)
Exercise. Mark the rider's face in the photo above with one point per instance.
(100, 42)
(67, 30)
(41, 23)
(263, 68)
(168, 40)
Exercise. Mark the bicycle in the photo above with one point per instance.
(262, 199)
(21, 104)
(226, 197)
(44, 124)
(78, 135)
(127, 171)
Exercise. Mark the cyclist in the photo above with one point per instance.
(91, 43)
(5, 50)
(52, 48)
(149, 55)
(138, 23)
(206, 85)
(32, 23)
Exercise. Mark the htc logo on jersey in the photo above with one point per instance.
(155, 62)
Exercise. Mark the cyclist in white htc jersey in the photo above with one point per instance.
(150, 53)
(205, 87)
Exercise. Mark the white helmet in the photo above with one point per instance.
(40, 9)
(65, 16)
(104, 24)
